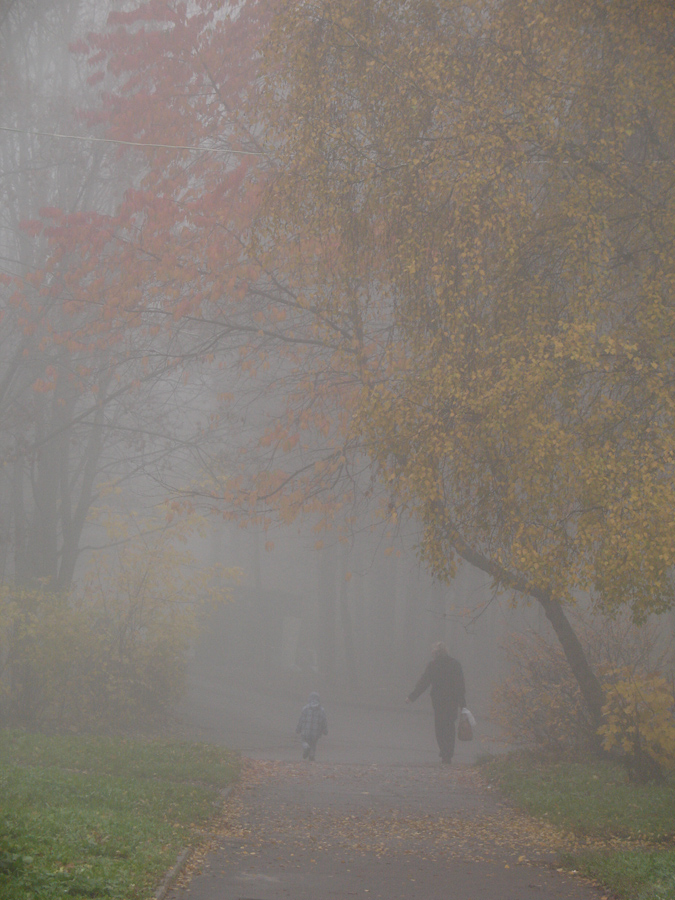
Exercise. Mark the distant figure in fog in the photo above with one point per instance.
(444, 675)
(313, 723)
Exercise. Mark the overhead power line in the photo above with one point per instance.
(98, 140)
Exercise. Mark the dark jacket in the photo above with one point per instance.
(445, 676)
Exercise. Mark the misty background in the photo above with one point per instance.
(349, 612)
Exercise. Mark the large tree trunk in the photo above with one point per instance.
(590, 687)
(586, 678)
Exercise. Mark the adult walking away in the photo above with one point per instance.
(444, 675)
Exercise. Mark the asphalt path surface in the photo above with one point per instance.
(261, 725)
(376, 816)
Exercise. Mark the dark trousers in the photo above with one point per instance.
(445, 716)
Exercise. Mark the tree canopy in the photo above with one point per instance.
(501, 177)
(437, 233)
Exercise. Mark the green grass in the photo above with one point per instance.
(629, 874)
(596, 802)
(100, 818)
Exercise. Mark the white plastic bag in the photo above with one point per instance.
(467, 712)
(465, 727)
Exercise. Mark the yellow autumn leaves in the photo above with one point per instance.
(495, 184)
(639, 717)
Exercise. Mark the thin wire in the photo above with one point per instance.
(79, 137)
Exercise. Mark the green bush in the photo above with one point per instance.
(70, 664)
(112, 653)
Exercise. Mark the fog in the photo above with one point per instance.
(109, 424)
(354, 621)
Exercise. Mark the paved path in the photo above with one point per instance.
(332, 831)
(261, 725)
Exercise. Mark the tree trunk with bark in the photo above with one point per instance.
(588, 682)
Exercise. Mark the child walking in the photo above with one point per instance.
(313, 723)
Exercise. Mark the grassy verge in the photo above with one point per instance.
(625, 832)
(100, 817)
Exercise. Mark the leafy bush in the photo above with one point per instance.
(639, 722)
(112, 652)
(539, 703)
(49, 654)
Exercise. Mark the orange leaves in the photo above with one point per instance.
(43, 385)
(182, 308)
(32, 227)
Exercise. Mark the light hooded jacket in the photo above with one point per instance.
(313, 720)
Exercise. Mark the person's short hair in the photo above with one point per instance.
(439, 649)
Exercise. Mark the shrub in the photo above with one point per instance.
(112, 653)
(47, 650)
(639, 722)
(539, 703)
